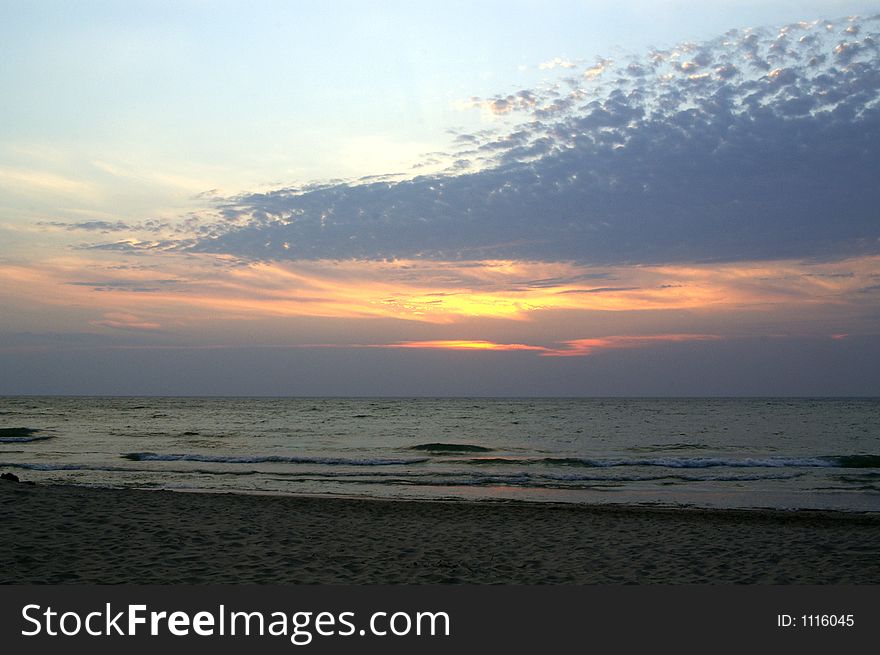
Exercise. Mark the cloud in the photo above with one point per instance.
(584, 347)
(571, 348)
(135, 286)
(108, 226)
(557, 62)
(122, 321)
(758, 145)
(600, 290)
(543, 308)
(500, 105)
(31, 182)
(597, 69)
(90, 226)
(460, 344)
(136, 245)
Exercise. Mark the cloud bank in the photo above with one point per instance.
(760, 144)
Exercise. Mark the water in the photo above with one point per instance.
(783, 453)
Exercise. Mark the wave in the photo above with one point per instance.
(824, 461)
(427, 478)
(23, 439)
(262, 459)
(17, 432)
(859, 461)
(471, 478)
(670, 446)
(65, 467)
(451, 448)
(21, 435)
(524, 481)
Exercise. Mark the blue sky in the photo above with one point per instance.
(239, 95)
(605, 198)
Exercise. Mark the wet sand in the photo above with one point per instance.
(57, 534)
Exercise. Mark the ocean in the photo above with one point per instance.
(734, 453)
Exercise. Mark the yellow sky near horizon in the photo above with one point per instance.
(549, 308)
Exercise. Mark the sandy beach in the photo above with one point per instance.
(57, 534)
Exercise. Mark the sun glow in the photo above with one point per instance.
(184, 291)
(459, 344)
(571, 348)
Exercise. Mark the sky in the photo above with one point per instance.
(629, 198)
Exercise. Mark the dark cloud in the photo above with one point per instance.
(599, 290)
(759, 144)
(99, 226)
(847, 275)
(553, 282)
(138, 286)
(109, 226)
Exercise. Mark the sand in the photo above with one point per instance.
(57, 534)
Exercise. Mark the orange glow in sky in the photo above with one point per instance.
(572, 348)
(511, 301)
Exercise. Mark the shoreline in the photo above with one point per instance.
(79, 535)
(610, 506)
(614, 507)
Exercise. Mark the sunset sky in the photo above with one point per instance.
(403, 198)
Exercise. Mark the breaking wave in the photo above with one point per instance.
(837, 461)
(21, 435)
(262, 459)
(451, 448)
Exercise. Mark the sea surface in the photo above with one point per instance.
(745, 453)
